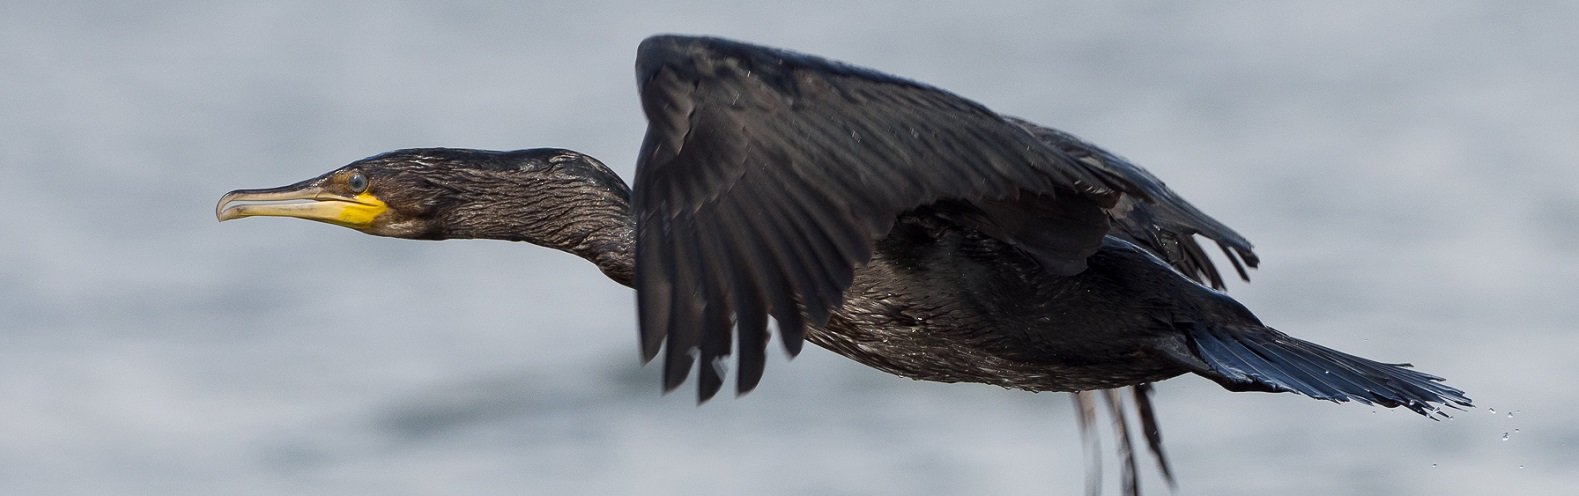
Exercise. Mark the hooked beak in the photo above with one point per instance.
(304, 200)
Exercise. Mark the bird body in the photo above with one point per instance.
(902, 226)
(908, 315)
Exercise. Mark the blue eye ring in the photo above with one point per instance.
(357, 182)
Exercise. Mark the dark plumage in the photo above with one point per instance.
(902, 226)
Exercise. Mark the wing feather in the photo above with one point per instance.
(766, 176)
(1160, 220)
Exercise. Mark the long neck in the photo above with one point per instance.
(589, 217)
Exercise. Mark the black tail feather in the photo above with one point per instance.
(1263, 359)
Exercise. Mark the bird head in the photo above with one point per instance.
(428, 193)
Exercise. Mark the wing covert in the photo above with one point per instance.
(766, 175)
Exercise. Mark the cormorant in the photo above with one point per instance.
(894, 223)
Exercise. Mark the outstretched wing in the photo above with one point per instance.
(1160, 221)
(766, 175)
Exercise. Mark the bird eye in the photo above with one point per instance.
(357, 182)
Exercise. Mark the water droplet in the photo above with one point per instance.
(1492, 410)
(1504, 436)
(1433, 465)
(1521, 467)
(1510, 414)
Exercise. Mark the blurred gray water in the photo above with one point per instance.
(1407, 170)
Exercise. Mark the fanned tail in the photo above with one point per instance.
(1255, 358)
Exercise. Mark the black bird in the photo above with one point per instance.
(894, 223)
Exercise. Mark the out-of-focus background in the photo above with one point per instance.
(1409, 172)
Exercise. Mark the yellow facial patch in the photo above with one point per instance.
(358, 213)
